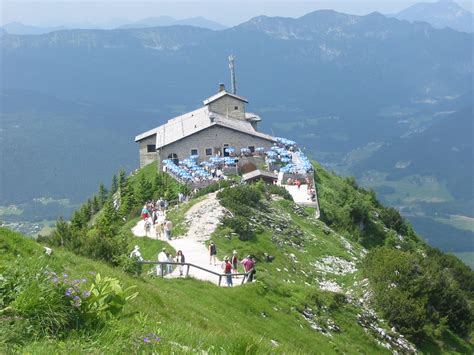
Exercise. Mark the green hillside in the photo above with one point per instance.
(349, 282)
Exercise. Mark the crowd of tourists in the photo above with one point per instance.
(229, 266)
(154, 216)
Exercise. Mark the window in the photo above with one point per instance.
(174, 158)
(252, 149)
(236, 107)
(194, 152)
(208, 151)
(151, 148)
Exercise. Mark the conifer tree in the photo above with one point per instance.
(62, 233)
(95, 205)
(102, 195)
(114, 185)
(122, 181)
(143, 191)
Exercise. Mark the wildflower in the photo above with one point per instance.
(157, 339)
(86, 294)
(65, 275)
(76, 298)
(146, 340)
(75, 282)
(55, 280)
(68, 292)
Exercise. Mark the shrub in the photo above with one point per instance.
(31, 295)
(106, 298)
(131, 265)
(36, 302)
(239, 225)
(240, 199)
(278, 190)
(393, 220)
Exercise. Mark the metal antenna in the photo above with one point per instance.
(232, 73)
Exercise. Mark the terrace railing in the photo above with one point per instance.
(190, 265)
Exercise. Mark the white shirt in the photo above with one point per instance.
(162, 257)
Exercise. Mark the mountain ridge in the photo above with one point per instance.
(441, 14)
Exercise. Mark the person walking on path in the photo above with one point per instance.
(212, 253)
(234, 261)
(145, 213)
(161, 258)
(169, 266)
(228, 271)
(147, 227)
(158, 229)
(179, 258)
(249, 267)
(168, 229)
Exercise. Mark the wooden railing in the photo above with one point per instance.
(189, 265)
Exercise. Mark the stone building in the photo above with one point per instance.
(222, 122)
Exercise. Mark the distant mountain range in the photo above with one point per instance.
(22, 29)
(441, 14)
(335, 83)
(170, 21)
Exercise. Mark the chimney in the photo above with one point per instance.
(221, 87)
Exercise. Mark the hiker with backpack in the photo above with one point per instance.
(212, 253)
(179, 258)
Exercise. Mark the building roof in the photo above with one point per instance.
(259, 174)
(195, 121)
(222, 94)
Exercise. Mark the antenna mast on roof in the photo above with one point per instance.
(232, 73)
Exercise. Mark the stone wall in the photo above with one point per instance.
(226, 106)
(214, 138)
(146, 157)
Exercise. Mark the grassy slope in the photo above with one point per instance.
(190, 314)
(197, 314)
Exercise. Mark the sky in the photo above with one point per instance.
(110, 13)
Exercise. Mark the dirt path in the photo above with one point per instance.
(202, 219)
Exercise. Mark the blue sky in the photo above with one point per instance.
(227, 12)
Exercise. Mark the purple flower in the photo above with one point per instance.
(146, 340)
(55, 280)
(76, 298)
(157, 339)
(75, 282)
(86, 294)
(65, 275)
(68, 292)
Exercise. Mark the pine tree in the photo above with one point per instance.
(157, 186)
(143, 191)
(122, 181)
(102, 195)
(95, 205)
(114, 185)
(62, 233)
(126, 204)
(108, 221)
